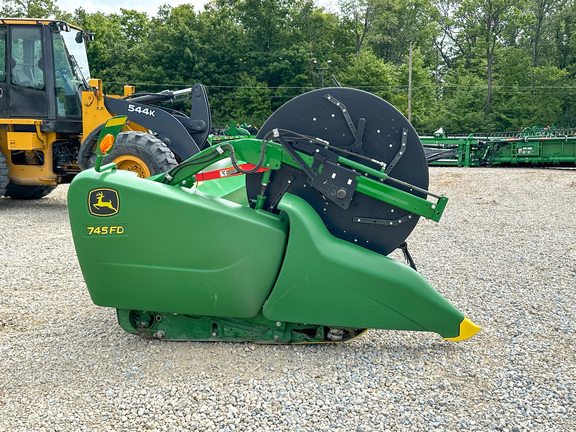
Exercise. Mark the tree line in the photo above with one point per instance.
(477, 65)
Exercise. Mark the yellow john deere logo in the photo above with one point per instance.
(103, 202)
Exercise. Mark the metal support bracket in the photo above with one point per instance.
(403, 142)
(334, 181)
(281, 193)
(387, 222)
(357, 146)
(404, 248)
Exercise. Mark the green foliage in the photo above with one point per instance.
(356, 21)
(106, 49)
(368, 72)
(29, 9)
(249, 102)
(462, 102)
(424, 90)
(478, 65)
(397, 23)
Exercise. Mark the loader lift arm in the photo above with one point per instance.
(184, 135)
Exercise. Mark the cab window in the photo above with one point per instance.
(66, 78)
(2, 54)
(27, 63)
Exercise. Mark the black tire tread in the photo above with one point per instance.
(155, 153)
(3, 174)
(27, 192)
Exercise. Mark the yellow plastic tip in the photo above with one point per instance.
(467, 330)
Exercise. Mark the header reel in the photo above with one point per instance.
(366, 130)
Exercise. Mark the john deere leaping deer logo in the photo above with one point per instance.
(103, 202)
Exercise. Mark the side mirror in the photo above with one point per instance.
(82, 36)
(59, 26)
(107, 138)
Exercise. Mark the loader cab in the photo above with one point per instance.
(43, 69)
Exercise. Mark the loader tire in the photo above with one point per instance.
(3, 174)
(26, 192)
(141, 153)
(87, 148)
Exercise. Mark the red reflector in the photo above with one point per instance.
(225, 172)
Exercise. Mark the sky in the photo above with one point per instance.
(148, 6)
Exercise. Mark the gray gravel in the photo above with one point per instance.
(504, 253)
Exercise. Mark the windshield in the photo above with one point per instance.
(77, 50)
(70, 70)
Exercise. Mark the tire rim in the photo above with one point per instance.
(134, 164)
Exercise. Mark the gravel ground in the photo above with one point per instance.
(504, 253)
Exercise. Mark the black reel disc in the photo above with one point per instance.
(363, 124)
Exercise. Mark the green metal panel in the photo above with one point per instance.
(328, 281)
(172, 250)
(232, 188)
(559, 151)
(229, 188)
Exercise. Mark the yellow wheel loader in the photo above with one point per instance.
(51, 113)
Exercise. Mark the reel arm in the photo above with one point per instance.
(324, 169)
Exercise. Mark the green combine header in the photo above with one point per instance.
(278, 238)
(528, 147)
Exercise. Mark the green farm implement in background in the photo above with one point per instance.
(231, 131)
(528, 147)
(278, 238)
